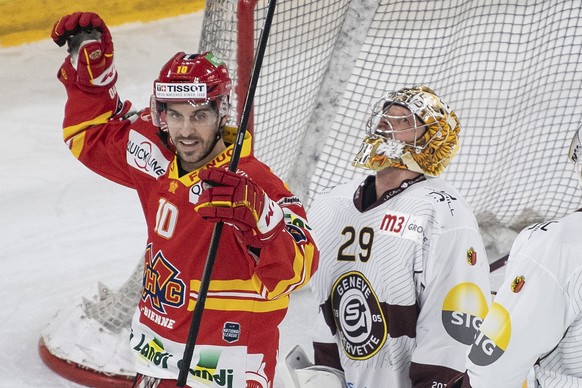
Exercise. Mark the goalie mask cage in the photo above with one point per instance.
(511, 70)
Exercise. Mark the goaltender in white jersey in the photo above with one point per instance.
(536, 317)
(403, 280)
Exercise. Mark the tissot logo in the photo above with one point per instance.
(171, 88)
(180, 90)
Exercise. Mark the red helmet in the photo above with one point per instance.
(194, 78)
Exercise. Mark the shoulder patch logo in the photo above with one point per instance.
(471, 256)
(144, 155)
(517, 284)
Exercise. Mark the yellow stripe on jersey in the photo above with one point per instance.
(224, 304)
(76, 144)
(235, 295)
(74, 130)
(301, 268)
(234, 285)
(74, 135)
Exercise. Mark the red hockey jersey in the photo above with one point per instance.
(248, 295)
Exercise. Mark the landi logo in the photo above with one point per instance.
(206, 370)
(493, 337)
(153, 351)
(463, 311)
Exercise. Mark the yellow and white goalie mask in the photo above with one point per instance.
(575, 153)
(412, 129)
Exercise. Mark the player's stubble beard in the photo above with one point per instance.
(195, 155)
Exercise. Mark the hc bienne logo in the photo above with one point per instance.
(161, 283)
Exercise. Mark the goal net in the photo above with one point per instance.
(512, 71)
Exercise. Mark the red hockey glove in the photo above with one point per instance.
(236, 200)
(70, 25)
(90, 64)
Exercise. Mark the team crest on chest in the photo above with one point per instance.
(358, 316)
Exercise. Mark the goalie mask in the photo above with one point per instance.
(433, 129)
(198, 79)
(575, 153)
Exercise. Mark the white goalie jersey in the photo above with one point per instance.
(536, 317)
(402, 285)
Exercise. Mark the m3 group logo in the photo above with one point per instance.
(358, 316)
(493, 337)
(464, 309)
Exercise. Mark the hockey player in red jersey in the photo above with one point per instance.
(403, 279)
(535, 320)
(175, 156)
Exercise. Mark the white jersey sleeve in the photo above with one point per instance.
(536, 315)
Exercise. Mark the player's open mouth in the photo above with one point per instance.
(189, 144)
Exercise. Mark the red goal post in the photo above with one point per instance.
(512, 71)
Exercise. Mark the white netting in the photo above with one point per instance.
(94, 332)
(512, 71)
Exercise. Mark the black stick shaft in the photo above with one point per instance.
(217, 233)
(498, 263)
(247, 108)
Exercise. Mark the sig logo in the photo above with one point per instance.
(492, 338)
(464, 309)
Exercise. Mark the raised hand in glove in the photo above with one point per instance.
(90, 64)
(236, 200)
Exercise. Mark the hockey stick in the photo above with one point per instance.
(499, 263)
(217, 232)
